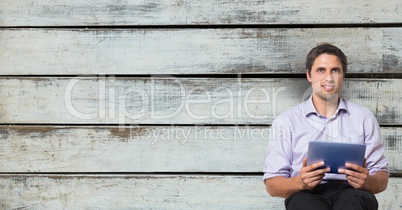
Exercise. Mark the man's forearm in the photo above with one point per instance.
(377, 182)
(282, 186)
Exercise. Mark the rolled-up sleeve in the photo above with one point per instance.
(279, 152)
(375, 149)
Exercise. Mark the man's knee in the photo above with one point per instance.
(356, 199)
(306, 200)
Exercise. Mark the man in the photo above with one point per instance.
(325, 116)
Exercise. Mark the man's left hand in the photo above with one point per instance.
(358, 176)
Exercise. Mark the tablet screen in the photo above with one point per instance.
(335, 154)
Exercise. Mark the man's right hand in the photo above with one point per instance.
(309, 176)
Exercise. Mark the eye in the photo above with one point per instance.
(335, 70)
(320, 70)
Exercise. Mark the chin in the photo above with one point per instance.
(328, 97)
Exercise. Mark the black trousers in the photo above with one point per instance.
(332, 195)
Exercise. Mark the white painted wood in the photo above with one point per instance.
(392, 139)
(170, 100)
(150, 192)
(133, 149)
(192, 12)
(191, 51)
(222, 149)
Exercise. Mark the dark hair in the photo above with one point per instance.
(326, 49)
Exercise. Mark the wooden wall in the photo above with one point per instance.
(168, 104)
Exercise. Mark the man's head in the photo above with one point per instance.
(326, 49)
(325, 70)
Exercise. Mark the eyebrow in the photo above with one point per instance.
(320, 67)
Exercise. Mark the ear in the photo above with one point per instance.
(308, 76)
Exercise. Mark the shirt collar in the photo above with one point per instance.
(308, 107)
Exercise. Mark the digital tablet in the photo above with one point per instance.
(335, 154)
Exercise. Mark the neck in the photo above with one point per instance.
(326, 107)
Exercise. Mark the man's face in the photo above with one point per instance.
(326, 77)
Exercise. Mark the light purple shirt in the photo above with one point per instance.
(293, 129)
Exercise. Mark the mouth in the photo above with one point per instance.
(328, 87)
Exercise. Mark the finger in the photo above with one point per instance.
(354, 167)
(304, 162)
(359, 178)
(315, 166)
(321, 172)
(314, 176)
(341, 171)
(312, 182)
(317, 178)
(348, 172)
(355, 182)
(365, 163)
(354, 185)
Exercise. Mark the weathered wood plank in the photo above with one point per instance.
(132, 149)
(191, 51)
(155, 100)
(115, 12)
(149, 192)
(148, 148)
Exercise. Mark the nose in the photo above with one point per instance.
(329, 78)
